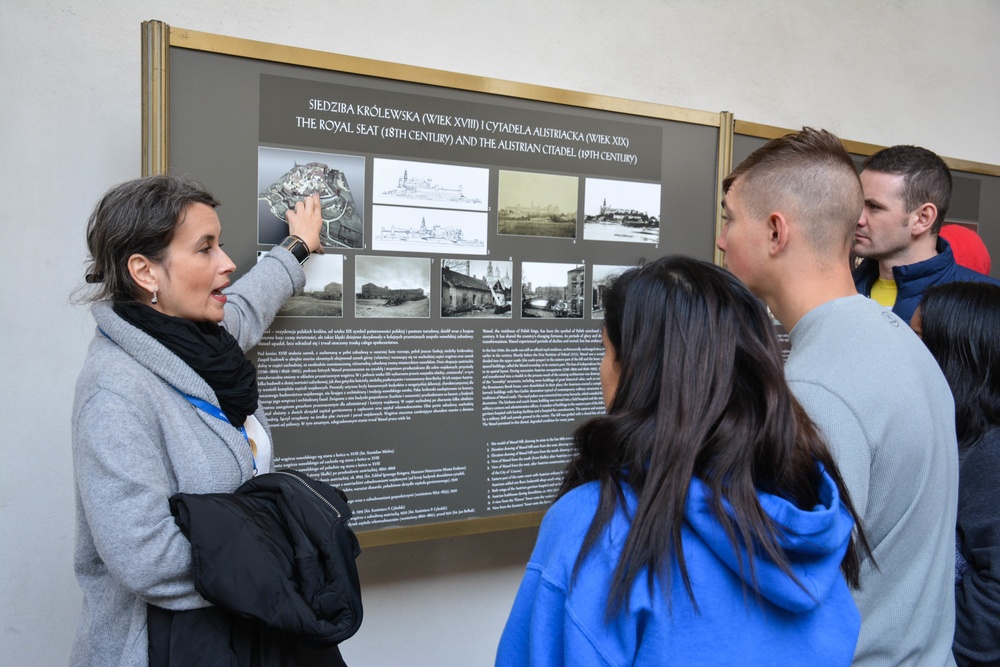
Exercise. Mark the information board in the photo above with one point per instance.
(447, 342)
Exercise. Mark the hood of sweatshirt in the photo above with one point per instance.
(814, 541)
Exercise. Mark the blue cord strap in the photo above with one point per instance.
(205, 406)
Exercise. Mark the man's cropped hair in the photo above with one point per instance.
(926, 177)
(810, 175)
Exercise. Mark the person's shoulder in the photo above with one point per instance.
(985, 452)
(964, 274)
(575, 507)
(568, 519)
(854, 336)
(110, 371)
(105, 363)
(849, 319)
(563, 528)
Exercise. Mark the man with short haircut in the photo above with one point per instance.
(907, 193)
(878, 396)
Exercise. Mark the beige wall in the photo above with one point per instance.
(876, 71)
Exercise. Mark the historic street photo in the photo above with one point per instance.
(602, 275)
(475, 288)
(552, 290)
(285, 177)
(323, 294)
(530, 204)
(429, 230)
(410, 183)
(621, 211)
(392, 286)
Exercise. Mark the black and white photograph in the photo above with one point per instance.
(621, 211)
(411, 183)
(392, 286)
(429, 230)
(552, 290)
(530, 204)
(323, 294)
(476, 288)
(602, 275)
(285, 177)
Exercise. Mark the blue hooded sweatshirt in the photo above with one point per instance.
(558, 621)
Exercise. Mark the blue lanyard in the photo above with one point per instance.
(205, 406)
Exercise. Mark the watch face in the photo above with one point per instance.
(297, 247)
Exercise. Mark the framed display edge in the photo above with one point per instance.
(460, 528)
(724, 164)
(860, 148)
(201, 41)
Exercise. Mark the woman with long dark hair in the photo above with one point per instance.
(960, 324)
(702, 519)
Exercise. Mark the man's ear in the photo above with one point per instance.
(143, 272)
(777, 231)
(925, 214)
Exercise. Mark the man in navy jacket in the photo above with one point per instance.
(907, 192)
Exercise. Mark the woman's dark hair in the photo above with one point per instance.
(961, 328)
(136, 217)
(701, 393)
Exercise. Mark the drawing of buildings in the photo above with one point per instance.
(426, 188)
(432, 234)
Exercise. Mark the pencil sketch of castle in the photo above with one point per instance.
(441, 231)
(432, 185)
(427, 189)
(432, 234)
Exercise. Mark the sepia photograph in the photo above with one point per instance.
(429, 230)
(285, 177)
(475, 288)
(621, 211)
(392, 286)
(410, 183)
(552, 290)
(323, 294)
(603, 275)
(530, 204)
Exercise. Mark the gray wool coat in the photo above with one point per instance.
(136, 442)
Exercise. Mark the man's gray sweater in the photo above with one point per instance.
(889, 418)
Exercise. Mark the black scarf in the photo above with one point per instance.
(208, 349)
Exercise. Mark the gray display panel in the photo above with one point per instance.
(447, 343)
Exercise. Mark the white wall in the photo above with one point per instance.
(878, 71)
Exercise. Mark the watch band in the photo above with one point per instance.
(297, 247)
